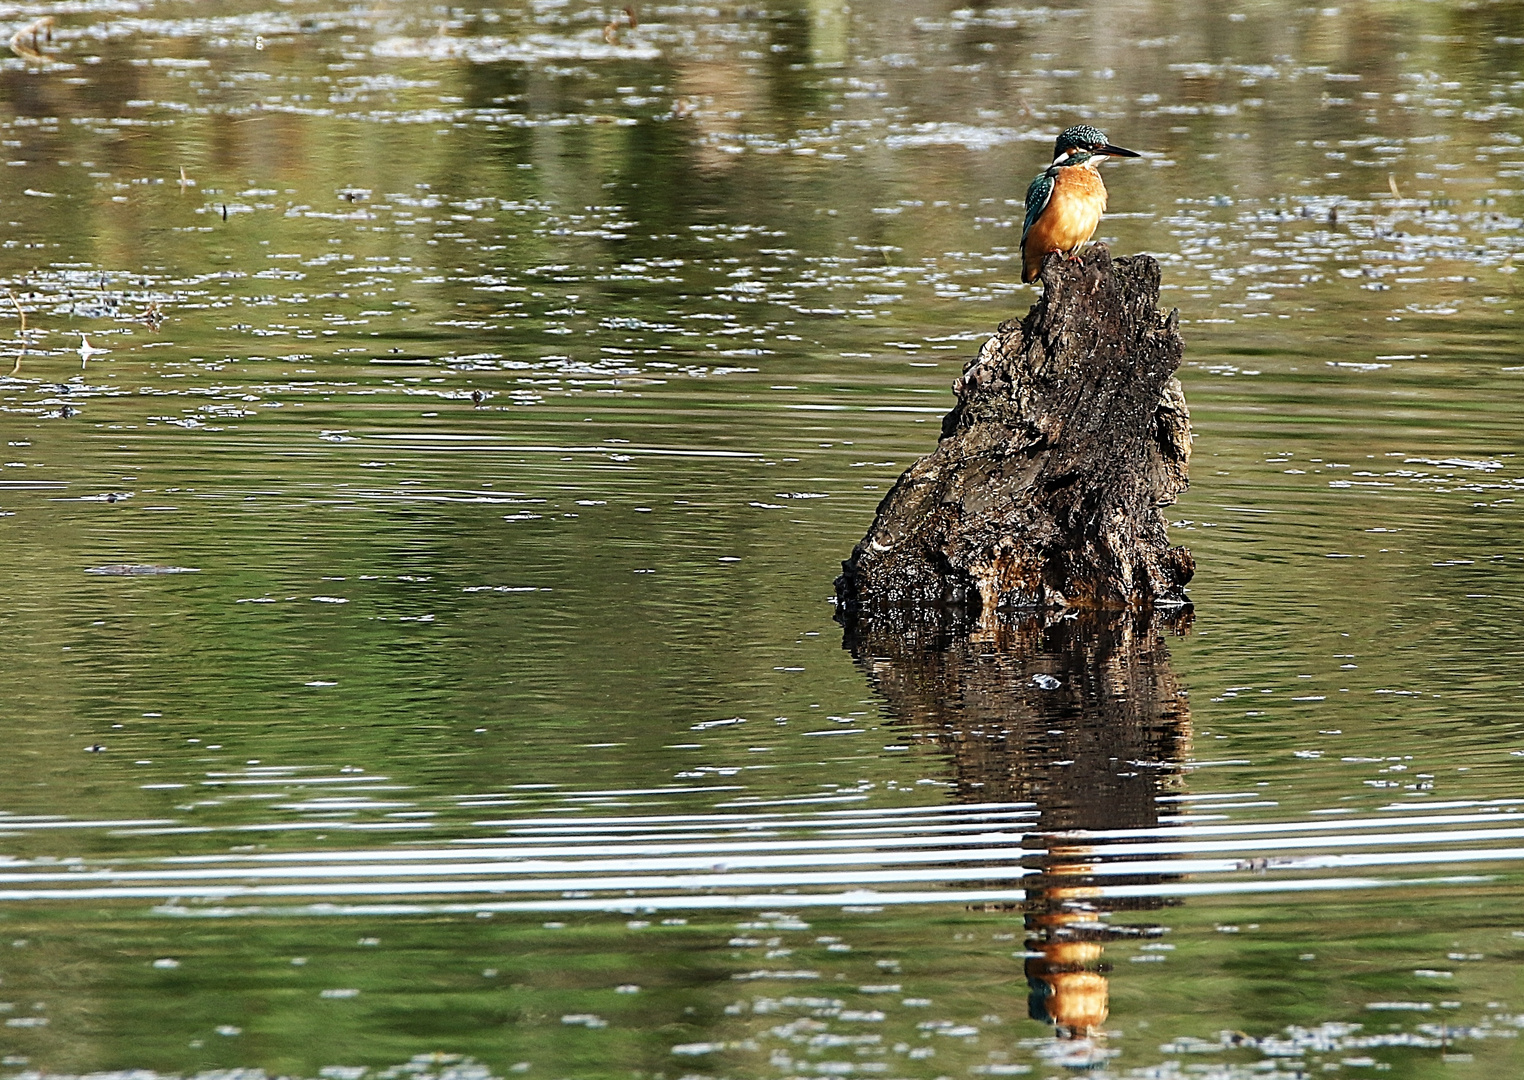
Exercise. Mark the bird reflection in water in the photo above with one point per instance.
(1082, 718)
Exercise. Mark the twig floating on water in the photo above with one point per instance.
(20, 314)
(21, 333)
(28, 49)
(611, 30)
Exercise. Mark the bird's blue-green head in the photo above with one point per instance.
(1080, 144)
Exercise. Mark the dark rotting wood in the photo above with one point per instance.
(1045, 492)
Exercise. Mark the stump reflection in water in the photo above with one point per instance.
(1083, 719)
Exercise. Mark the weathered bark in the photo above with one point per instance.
(1069, 436)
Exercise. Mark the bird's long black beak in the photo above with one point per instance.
(1117, 151)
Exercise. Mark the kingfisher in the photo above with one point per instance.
(1066, 200)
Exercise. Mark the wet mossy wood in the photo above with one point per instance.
(1046, 490)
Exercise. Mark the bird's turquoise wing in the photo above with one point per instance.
(1038, 194)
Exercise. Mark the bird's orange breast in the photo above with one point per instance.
(1070, 218)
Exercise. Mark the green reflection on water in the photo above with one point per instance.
(762, 242)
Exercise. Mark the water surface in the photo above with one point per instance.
(431, 437)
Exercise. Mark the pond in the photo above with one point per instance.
(431, 436)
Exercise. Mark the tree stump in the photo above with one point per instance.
(1045, 491)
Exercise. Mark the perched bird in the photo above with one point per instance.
(1065, 202)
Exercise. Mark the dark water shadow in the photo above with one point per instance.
(1082, 718)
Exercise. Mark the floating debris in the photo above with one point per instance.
(139, 570)
(25, 42)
